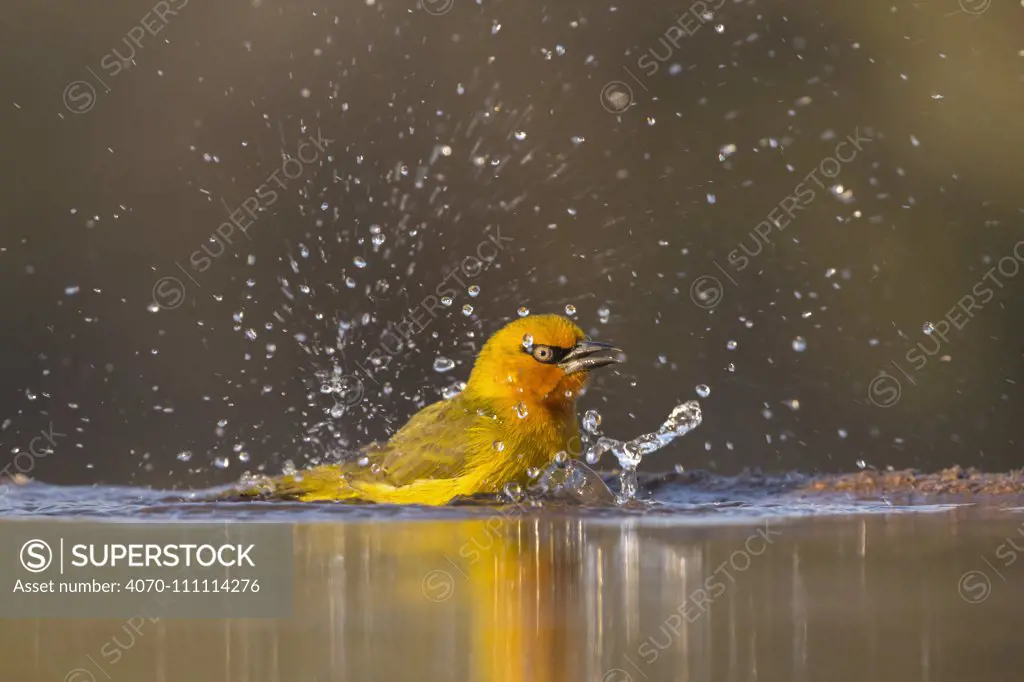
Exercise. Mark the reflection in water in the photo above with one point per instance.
(525, 597)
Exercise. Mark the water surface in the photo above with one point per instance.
(763, 588)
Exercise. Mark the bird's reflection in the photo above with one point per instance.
(514, 595)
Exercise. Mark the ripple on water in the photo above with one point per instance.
(684, 499)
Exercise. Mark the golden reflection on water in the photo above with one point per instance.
(546, 597)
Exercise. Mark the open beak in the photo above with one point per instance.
(587, 355)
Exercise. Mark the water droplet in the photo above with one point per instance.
(498, 445)
(799, 344)
(861, 464)
(523, 311)
(446, 301)
(452, 390)
(792, 404)
(221, 462)
(842, 433)
(243, 457)
(467, 310)
(521, 410)
(443, 364)
(30, 394)
(592, 422)
(570, 309)
(528, 341)
(288, 468)
(514, 491)
(184, 456)
(532, 473)
(378, 239)
(520, 135)
(928, 328)
(71, 290)
(359, 262)
(703, 390)
(561, 458)
(731, 345)
(603, 313)
(374, 468)
(473, 291)
(720, 28)
(363, 461)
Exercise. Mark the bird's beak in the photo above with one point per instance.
(587, 355)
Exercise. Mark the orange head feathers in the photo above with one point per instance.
(538, 359)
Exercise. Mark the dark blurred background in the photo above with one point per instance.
(626, 160)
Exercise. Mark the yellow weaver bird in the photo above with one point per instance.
(517, 411)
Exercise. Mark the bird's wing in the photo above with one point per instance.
(435, 443)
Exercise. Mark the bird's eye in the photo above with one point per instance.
(543, 354)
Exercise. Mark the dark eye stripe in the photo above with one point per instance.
(557, 354)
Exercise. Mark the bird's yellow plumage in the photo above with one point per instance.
(517, 411)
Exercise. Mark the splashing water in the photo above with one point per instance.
(683, 419)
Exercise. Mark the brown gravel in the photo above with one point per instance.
(953, 481)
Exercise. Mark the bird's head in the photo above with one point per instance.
(539, 359)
